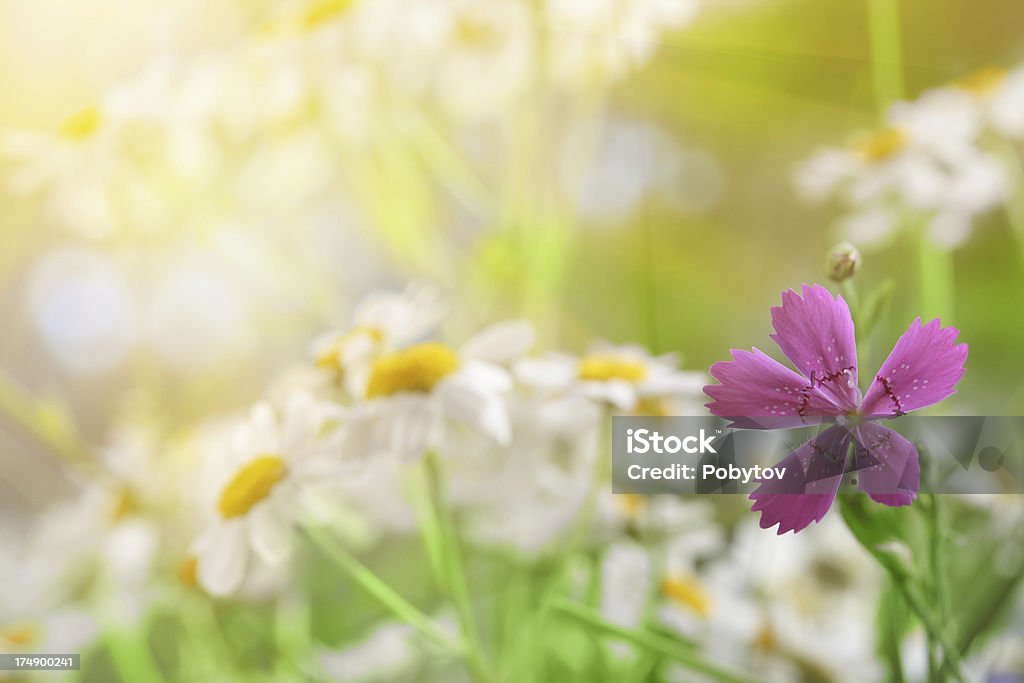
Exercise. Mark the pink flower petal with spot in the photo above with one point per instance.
(922, 370)
(806, 491)
(888, 467)
(761, 393)
(815, 331)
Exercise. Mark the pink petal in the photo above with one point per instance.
(922, 369)
(888, 468)
(761, 393)
(816, 333)
(806, 491)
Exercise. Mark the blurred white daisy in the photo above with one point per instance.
(413, 394)
(274, 454)
(925, 166)
(382, 322)
(626, 377)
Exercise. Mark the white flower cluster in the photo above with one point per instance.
(938, 162)
(283, 118)
(337, 431)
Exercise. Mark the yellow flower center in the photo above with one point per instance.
(125, 505)
(983, 81)
(251, 484)
(21, 634)
(323, 11)
(765, 639)
(632, 504)
(187, 571)
(687, 592)
(415, 369)
(330, 357)
(81, 124)
(658, 407)
(881, 145)
(605, 367)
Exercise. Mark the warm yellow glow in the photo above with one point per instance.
(415, 369)
(881, 145)
(687, 592)
(251, 484)
(601, 368)
(82, 124)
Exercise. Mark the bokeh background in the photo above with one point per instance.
(643, 193)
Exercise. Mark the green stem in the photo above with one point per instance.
(1015, 202)
(455, 582)
(886, 51)
(380, 591)
(653, 642)
(937, 276)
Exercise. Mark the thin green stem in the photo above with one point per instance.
(386, 596)
(886, 51)
(455, 582)
(652, 642)
(936, 271)
(1015, 202)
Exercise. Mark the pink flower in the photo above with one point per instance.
(815, 331)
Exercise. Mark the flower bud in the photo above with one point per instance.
(842, 261)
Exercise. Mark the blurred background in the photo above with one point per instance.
(192, 191)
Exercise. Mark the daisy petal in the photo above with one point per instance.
(922, 370)
(758, 392)
(482, 410)
(500, 343)
(806, 491)
(222, 558)
(815, 332)
(269, 532)
(887, 465)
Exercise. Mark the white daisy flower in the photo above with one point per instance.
(382, 322)
(925, 164)
(413, 394)
(625, 377)
(999, 93)
(273, 454)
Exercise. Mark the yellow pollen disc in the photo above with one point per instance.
(658, 407)
(251, 484)
(415, 369)
(187, 571)
(983, 81)
(125, 505)
(323, 11)
(605, 367)
(765, 639)
(632, 504)
(19, 635)
(687, 592)
(81, 124)
(474, 33)
(881, 145)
